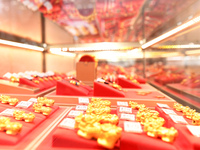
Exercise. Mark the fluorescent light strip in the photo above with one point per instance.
(58, 51)
(90, 49)
(172, 32)
(179, 46)
(32, 47)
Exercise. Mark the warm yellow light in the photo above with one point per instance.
(135, 50)
(58, 51)
(21, 45)
(193, 52)
(171, 54)
(179, 46)
(171, 32)
(100, 47)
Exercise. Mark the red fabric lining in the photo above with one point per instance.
(101, 89)
(125, 83)
(66, 88)
(185, 140)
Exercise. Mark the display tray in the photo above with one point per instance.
(149, 100)
(193, 93)
(46, 141)
(60, 139)
(190, 141)
(24, 97)
(32, 135)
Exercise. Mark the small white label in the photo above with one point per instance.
(125, 110)
(28, 77)
(7, 112)
(81, 107)
(83, 100)
(169, 111)
(134, 127)
(34, 100)
(48, 5)
(163, 105)
(178, 119)
(24, 104)
(74, 113)
(100, 80)
(122, 103)
(130, 117)
(195, 130)
(68, 123)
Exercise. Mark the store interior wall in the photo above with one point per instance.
(16, 60)
(18, 20)
(60, 63)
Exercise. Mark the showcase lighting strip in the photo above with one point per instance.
(58, 51)
(172, 32)
(73, 49)
(178, 46)
(21, 45)
(91, 49)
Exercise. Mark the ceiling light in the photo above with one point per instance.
(171, 32)
(21, 45)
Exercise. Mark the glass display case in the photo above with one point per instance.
(142, 61)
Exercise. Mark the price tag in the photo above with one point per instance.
(68, 123)
(34, 100)
(81, 107)
(130, 117)
(122, 103)
(7, 112)
(28, 77)
(100, 80)
(24, 104)
(134, 127)
(122, 76)
(163, 105)
(169, 111)
(195, 130)
(178, 119)
(83, 100)
(125, 110)
(74, 113)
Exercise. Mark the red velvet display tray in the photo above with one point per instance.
(60, 139)
(125, 83)
(28, 136)
(185, 140)
(6, 139)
